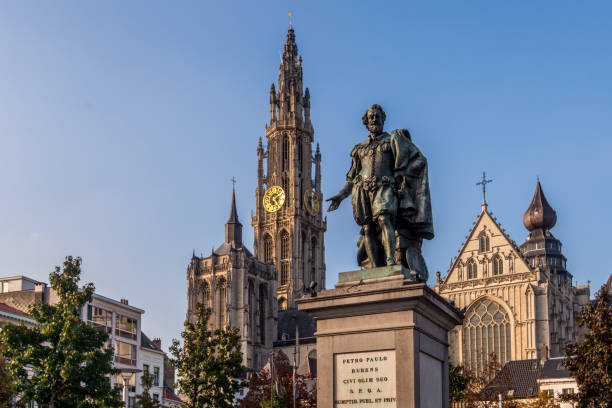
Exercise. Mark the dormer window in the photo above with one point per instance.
(484, 244)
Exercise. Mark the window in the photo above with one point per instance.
(145, 368)
(99, 317)
(156, 397)
(268, 248)
(5, 287)
(285, 261)
(126, 327)
(205, 294)
(125, 353)
(262, 313)
(285, 153)
(313, 260)
(484, 244)
(566, 391)
(472, 269)
(498, 265)
(486, 330)
(156, 376)
(222, 302)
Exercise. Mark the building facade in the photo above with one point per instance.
(289, 233)
(518, 300)
(239, 289)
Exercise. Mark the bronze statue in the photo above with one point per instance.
(390, 196)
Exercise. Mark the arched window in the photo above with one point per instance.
(252, 328)
(282, 303)
(313, 260)
(486, 330)
(498, 265)
(205, 296)
(285, 261)
(285, 185)
(472, 269)
(268, 248)
(222, 301)
(263, 298)
(285, 152)
(484, 244)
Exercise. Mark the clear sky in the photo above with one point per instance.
(121, 124)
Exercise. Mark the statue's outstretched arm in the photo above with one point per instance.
(342, 194)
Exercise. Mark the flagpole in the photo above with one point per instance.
(295, 361)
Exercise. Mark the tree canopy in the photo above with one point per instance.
(61, 361)
(590, 361)
(209, 363)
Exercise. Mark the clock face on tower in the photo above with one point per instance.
(312, 202)
(273, 199)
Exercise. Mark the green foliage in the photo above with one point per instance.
(6, 383)
(275, 401)
(144, 400)
(209, 363)
(69, 361)
(590, 362)
(458, 382)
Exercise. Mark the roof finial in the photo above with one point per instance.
(484, 183)
(290, 20)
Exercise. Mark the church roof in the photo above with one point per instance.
(518, 378)
(226, 247)
(540, 216)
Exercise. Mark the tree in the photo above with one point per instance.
(262, 387)
(590, 362)
(144, 400)
(61, 361)
(209, 363)
(6, 382)
(542, 400)
(458, 382)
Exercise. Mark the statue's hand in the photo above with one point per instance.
(335, 202)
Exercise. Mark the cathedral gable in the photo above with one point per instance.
(487, 252)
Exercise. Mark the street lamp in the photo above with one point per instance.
(126, 374)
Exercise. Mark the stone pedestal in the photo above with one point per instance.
(381, 341)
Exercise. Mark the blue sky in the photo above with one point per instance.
(121, 124)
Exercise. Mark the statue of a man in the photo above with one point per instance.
(390, 196)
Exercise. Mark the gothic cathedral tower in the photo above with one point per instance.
(288, 223)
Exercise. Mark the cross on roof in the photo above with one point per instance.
(484, 183)
(233, 180)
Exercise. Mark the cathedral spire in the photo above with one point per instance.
(290, 98)
(233, 227)
(540, 216)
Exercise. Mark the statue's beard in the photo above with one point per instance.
(375, 128)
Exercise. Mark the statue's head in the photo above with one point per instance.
(374, 119)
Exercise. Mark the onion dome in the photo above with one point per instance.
(540, 216)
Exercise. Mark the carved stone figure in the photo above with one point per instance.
(390, 196)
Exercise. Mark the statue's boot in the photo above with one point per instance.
(416, 262)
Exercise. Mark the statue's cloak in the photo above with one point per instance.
(414, 202)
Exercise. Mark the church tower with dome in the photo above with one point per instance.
(520, 301)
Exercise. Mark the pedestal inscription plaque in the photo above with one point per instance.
(365, 379)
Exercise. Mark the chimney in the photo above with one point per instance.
(157, 342)
(124, 301)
